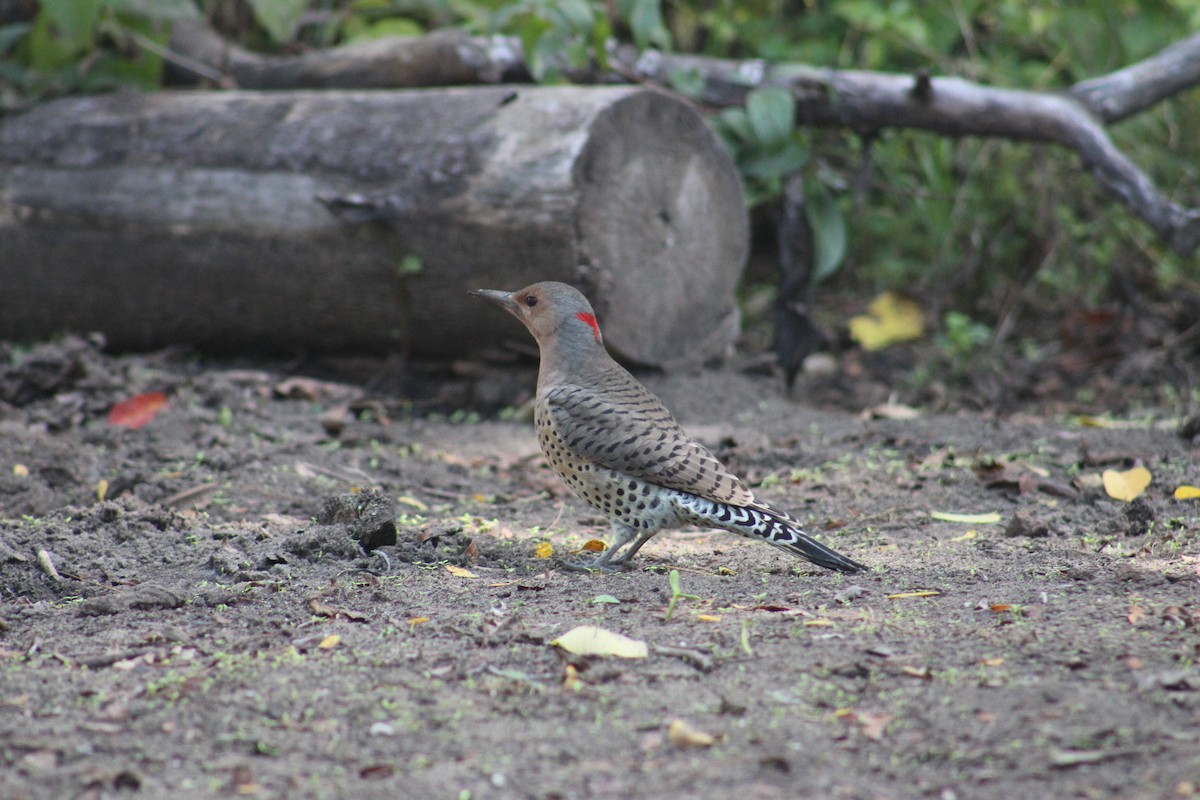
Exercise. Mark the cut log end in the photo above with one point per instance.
(663, 231)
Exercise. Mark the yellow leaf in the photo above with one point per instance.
(708, 617)
(1000, 608)
(20, 470)
(906, 595)
(588, 640)
(995, 661)
(412, 501)
(415, 621)
(1137, 615)
(990, 518)
(543, 550)
(571, 677)
(594, 545)
(917, 672)
(1127, 485)
(683, 735)
(459, 572)
(1187, 493)
(101, 490)
(891, 319)
(330, 641)
(818, 623)
(968, 535)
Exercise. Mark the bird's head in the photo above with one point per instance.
(555, 313)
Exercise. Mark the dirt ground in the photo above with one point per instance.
(263, 603)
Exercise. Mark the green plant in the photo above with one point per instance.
(676, 594)
(89, 45)
(963, 336)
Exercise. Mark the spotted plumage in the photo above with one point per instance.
(622, 451)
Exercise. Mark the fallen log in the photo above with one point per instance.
(358, 220)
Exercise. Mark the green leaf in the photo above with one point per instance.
(156, 9)
(601, 33)
(49, 52)
(12, 34)
(577, 14)
(772, 113)
(392, 26)
(688, 82)
(646, 23)
(410, 265)
(531, 30)
(73, 20)
(829, 233)
(141, 68)
(777, 163)
(735, 121)
(278, 17)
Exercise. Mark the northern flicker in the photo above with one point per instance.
(618, 447)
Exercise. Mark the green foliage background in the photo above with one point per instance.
(976, 224)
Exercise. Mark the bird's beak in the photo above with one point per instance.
(501, 298)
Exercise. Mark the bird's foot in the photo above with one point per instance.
(592, 565)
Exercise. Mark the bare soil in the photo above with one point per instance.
(261, 605)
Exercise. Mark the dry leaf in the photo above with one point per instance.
(891, 410)
(571, 677)
(594, 546)
(415, 621)
(995, 661)
(412, 501)
(330, 641)
(890, 319)
(906, 595)
(543, 550)
(22, 471)
(871, 723)
(1000, 607)
(917, 672)
(819, 623)
(459, 572)
(708, 617)
(1127, 485)
(588, 640)
(683, 735)
(102, 490)
(1184, 493)
(990, 518)
(1136, 615)
(137, 410)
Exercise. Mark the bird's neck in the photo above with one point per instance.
(575, 360)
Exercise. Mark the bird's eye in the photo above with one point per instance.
(531, 300)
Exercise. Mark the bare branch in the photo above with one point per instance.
(1127, 91)
(870, 101)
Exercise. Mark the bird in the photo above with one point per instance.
(618, 447)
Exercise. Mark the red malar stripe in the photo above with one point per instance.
(590, 319)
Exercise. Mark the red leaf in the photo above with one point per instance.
(137, 410)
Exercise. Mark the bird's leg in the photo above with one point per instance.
(631, 551)
(622, 535)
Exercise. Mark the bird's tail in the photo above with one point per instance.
(784, 532)
(771, 526)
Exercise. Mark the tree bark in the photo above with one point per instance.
(285, 221)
